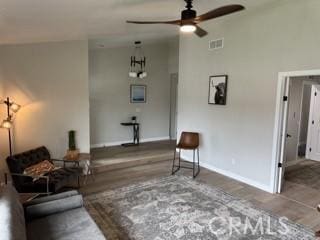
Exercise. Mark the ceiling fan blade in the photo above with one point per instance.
(219, 12)
(200, 32)
(174, 22)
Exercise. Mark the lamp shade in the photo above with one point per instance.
(14, 107)
(133, 74)
(6, 124)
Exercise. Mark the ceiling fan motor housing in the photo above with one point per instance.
(188, 14)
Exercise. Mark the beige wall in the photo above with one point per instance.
(50, 81)
(236, 139)
(110, 94)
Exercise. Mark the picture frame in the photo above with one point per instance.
(138, 93)
(218, 85)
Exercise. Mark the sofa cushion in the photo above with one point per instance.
(69, 225)
(12, 222)
(53, 207)
(51, 197)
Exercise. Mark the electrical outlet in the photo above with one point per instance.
(138, 110)
(233, 161)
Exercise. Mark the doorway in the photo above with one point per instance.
(296, 128)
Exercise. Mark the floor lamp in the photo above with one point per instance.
(12, 108)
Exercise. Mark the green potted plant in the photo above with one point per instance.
(72, 152)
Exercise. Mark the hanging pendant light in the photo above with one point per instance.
(138, 62)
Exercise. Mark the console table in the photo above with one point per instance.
(136, 129)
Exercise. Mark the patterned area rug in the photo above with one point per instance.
(180, 208)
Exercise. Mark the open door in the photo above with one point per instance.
(313, 141)
(284, 134)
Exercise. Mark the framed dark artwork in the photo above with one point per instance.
(218, 90)
(138, 93)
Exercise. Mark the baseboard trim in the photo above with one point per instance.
(239, 178)
(234, 176)
(110, 144)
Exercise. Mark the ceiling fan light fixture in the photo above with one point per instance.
(188, 28)
(189, 20)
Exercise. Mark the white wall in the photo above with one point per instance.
(236, 139)
(110, 94)
(50, 81)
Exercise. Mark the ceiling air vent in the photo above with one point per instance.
(216, 44)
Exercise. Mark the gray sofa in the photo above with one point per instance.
(55, 217)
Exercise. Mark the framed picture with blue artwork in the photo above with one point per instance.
(138, 93)
(218, 90)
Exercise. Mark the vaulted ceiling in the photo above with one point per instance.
(28, 21)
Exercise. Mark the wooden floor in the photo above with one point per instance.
(295, 203)
(115, 157)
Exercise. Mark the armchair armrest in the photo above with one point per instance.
(75, 162)
(26, 175)
(29, 176)
(61, 160)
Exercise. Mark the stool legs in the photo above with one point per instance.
(174, 159)
(173, 162)
(194, 163)
(195, 169)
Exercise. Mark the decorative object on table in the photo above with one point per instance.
(136, 132)
(189, 21)
(51, 182)
(138, 62)
(218, 90)
(72, 152)
(12, 109)
(138, 93)
(134, 119)
(178, 207)
(188, 141)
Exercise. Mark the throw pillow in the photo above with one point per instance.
(39, 169)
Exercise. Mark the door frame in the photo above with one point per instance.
(277, 150)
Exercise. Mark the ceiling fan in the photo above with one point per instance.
(189, 20)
